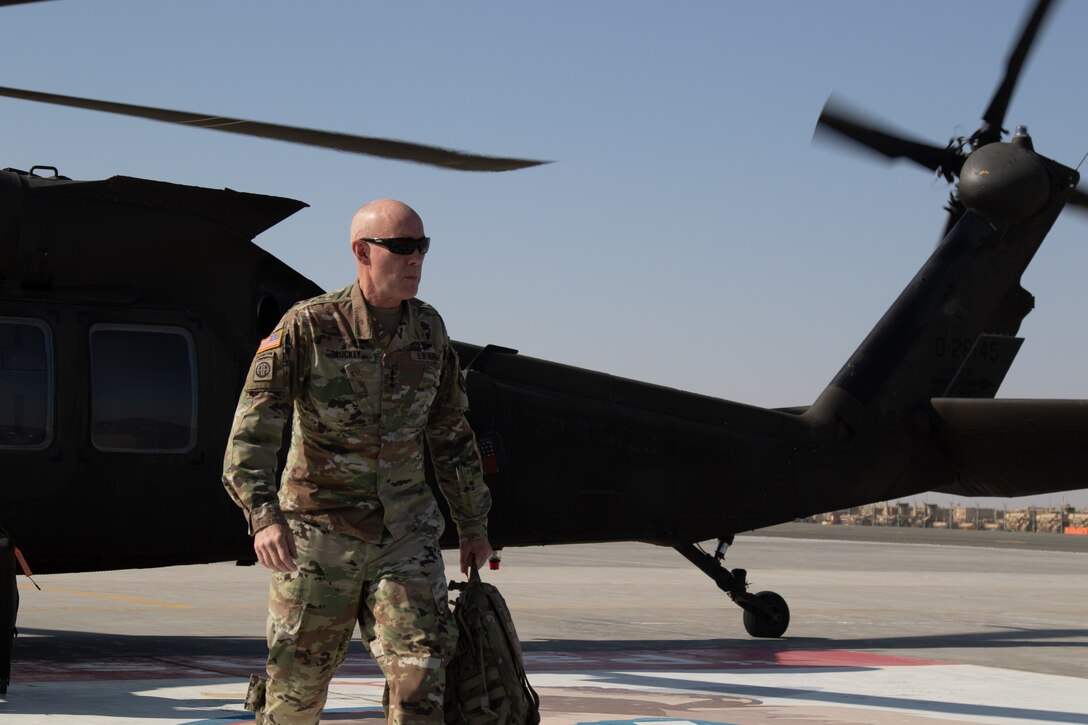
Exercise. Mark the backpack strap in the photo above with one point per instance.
(499, 605)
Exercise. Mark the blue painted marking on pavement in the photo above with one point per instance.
(247, 719)
(658, 720)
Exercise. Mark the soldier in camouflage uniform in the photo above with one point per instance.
(351, 530)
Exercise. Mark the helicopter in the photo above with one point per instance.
(119, 389)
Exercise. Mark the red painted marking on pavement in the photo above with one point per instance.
(719, 658)
(180, 668)
(845, 658)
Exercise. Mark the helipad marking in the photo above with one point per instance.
(655, 721)
(248, 719)
(724, 658)
(588, 689)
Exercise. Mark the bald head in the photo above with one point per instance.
(385, 277)
(386, 218)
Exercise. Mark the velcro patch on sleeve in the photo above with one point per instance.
(266, 372)
(262, 370)
(271, 342)
(429, 356)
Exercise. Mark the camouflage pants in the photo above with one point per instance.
(396, 591)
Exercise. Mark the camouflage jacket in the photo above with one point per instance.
(362, 402)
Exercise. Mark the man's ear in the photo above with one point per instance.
(361, 251)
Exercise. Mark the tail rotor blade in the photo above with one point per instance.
(1079, 199)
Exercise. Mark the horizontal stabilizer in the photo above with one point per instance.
(1013, 447)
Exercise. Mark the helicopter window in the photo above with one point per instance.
(143, 389)
(26, 384)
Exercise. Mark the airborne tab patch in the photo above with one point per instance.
(272, 341)
(266, 373)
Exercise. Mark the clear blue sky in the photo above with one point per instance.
(688, 232)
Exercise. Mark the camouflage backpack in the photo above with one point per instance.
(485, 680)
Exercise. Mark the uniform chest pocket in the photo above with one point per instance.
(412, 378)
(366, 385)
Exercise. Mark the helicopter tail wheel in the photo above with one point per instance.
(765, 613)
(769, 618)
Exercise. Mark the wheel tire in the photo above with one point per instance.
(759, 624)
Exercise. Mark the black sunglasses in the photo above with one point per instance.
(401, 245)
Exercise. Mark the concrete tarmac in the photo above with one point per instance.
(907, 629)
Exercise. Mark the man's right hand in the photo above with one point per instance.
(275, 547)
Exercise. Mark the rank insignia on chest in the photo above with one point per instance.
(272, 341)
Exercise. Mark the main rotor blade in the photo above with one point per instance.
(385, 148)
(994, 116)
(850, 125)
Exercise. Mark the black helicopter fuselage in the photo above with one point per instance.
(132, 308)
(592, 457)
(118, 293)
(128, 311)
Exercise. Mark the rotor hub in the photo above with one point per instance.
(1004, 182)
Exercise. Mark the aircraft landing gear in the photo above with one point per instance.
(765, 613)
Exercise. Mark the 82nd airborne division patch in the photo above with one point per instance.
(267, 370)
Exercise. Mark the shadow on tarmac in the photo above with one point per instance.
(57, 644)
(996, 638)
(50, 644)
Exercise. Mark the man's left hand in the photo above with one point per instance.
(478, 550)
